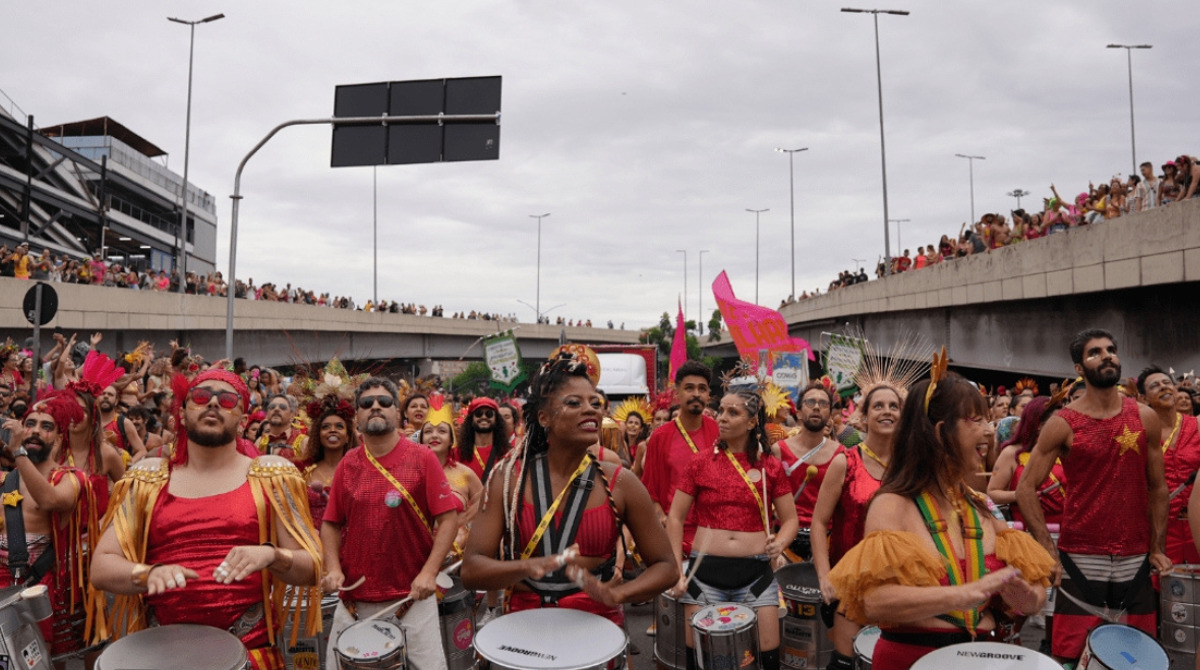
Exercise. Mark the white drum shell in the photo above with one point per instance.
(552, 638)
(733, 644)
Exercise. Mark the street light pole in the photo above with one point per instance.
(700, 296)
(538, 309)
(887, 243)
(756, 212)
(971, 168)
(684, 252)
(792, 193)
(1129, 61)
(1018, 194)
(899, 244)
(187, 143)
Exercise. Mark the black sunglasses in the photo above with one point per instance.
(486, 413)
(368, 401)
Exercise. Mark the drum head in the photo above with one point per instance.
(798, 581)
(550, 639)
(370, 640)
(986, 656)
(1123, 647)
(174, 647)
(727, 618)
(864, 642)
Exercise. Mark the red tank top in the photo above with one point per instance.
(1108, 509)
(1052, 502)
(850, 515)
(1179, 462)
(796, 474)
(597, 535)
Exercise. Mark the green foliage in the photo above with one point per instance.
(474, 379)
(714, 326)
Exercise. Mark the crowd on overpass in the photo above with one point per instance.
(1178, 180)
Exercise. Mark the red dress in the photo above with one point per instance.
(850, 515)
(1180, 460)
(796, 474)
(1052, 502)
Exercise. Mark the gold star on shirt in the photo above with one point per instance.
(12, 498)
(1127, 441)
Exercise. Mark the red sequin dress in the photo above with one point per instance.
(850, 515)
(1180, 460)
(1052, 502)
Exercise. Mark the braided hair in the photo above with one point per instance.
(759, 443)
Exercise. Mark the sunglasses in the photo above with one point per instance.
(279, 405)
(368, 401)
(485, 413)
(202, 395)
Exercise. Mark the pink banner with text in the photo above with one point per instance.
(753, 327)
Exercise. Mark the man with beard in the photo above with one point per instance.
(279, 436)
(484, 439)
(1181, 459)
(124, 436)
(389, 524)
(185, 540)
(1115, 518)
(46, 516)
(806, 457)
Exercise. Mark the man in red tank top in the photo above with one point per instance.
(806, 457)
(1114, 523)
(1181, 459)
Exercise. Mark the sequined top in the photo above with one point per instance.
(722, 500)
(1179, 462)
(1052, 501)
(850, 515)
(667, 455)
(597, 534)
(797, 473)
(1108, 509)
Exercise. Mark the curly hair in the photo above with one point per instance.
(318, 411)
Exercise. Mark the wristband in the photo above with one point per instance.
(282, 556)
(141, 574)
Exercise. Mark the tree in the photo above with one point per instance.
(475, 378)
(714, 326)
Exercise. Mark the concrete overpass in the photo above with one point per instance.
(272, 333)
(1016, 309)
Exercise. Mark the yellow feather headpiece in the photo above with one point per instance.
(774, 398)
(631, 405)
(139, 354)
(1063, 391)
(936, 371)
(440, 411)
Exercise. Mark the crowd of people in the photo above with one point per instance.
(1178, 180)
(201, 493)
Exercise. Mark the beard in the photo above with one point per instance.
(105, 406)
(377, 425)
(815, 424)
(210, 437)
(38, 455)
(1103, 377)
(482, 429)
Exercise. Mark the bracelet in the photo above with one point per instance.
(141, 574)
(283, 556)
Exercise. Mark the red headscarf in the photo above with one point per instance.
(61, 407)
(182, 386)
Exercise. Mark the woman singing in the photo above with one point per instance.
(935, 568)
(731, 487)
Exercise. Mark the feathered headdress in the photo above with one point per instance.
(7, 348)
(897, 368)
(1025, 384)
(139, 354)
(440, 411)
(1063, 392)
(631, 405)
(333, 380)
(936, 371)
(738, 376)
(775, 399)
(98, 372)
(61, 406)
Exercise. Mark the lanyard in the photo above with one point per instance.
(399, 487)
(1174, 431)
(687, 438)
(972, 534)
(757, 498)
(549, 515)
(1023, 459)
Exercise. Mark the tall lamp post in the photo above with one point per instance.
(700, 295)
(971, 168)
(1018, 194)
(756, 212)
(684, 252)
(538, 309)
(792, 193)
(887, 243)
(187, 142)
(1129, 61)
(899, 244)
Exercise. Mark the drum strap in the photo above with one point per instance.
(555, 539)
(18, 546)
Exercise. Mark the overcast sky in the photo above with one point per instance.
(642, 128)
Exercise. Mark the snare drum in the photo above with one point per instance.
(21, 636)
(670, 640)
(1114, 646)
(725, 636)
(181, 646)
(804, 641)
(987, 656)
(864, 647)
(456, 616)
(371, 644)
(1179, 616)
(552, 638)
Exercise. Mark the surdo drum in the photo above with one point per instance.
(371, 644)
(21, 636)
(308, 653)
(986, 656)
(725, 637)
(175, 647)
(1114, 646)
(552, 638)
(1179, 614)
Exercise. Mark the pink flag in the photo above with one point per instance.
(678, 346)
(754, 328)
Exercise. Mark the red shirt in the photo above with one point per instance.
(667, 455)
(382, 536)
(807, 501)
(1108, 509)
(1179, 462)
(722, 498)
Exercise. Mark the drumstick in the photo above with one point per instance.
(696, 564)
(808, 475)
(453, 567)
(1050, 489)
(355, 585)
(1179, 489)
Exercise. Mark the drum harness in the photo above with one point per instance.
(18, 548)
(556, 539)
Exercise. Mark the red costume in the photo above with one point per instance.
(1180, 461)
(376, 518)
(721, 498)
(479, 462)
(797, 474)
(114, 434)
(850, 515)
(294, 439)
(667, 456)
(1052, 501)
(1106, 516)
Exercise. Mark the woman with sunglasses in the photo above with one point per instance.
(568, 564)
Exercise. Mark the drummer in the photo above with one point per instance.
(184, 536)
(733, 486)
(1181, 459)
(925, 517)
(806, 457)
(852, 478)
(551, 505)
